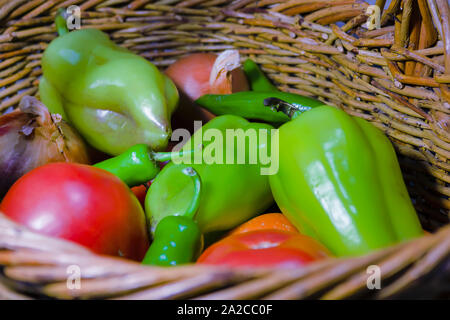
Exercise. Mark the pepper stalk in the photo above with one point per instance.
(292, 110)
(61, 22)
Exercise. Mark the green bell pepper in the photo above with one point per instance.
(232, 193)
(114, 98)
(339, 181)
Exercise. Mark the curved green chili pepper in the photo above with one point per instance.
(250, 104)
(137, 165)
(178, 239)
(258, 81)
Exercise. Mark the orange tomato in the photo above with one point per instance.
(275, 221)
(264, 248)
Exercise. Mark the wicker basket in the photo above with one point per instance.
(397, 77)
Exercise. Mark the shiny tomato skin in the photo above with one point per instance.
(80, 203)
(140, 192)
(267, 221)
(264, 248)
(280, 257)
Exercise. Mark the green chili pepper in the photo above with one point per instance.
(178, 239)
(137, 165)
(113, 97)
(339, 181)
(232, 193)
(257, 79)
(250, 104)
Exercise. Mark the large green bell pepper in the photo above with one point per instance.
(113, 97)
(339, 181)
(232, 192)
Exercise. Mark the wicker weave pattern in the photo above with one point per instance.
(397, 77)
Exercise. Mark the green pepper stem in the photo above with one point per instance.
(292, 110)
(60, 23)
(138, 164)
(195, 202)
(135, 166)
(258, 80)
(167, 156)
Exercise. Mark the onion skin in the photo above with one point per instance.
(30, 137)
(193, 77)
(191, 74)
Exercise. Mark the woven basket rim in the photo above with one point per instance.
(374, 75)
(42, 263)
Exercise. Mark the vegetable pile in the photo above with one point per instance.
(337, 188)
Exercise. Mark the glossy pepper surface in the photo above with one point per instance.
(177, 240)
(250, 104)
(258, 81)
(113, 97)
(232, 192)
(339, 181)
(137, 165)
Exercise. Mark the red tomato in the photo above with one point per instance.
(264, 248)
(82, 204)
(140, 192)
